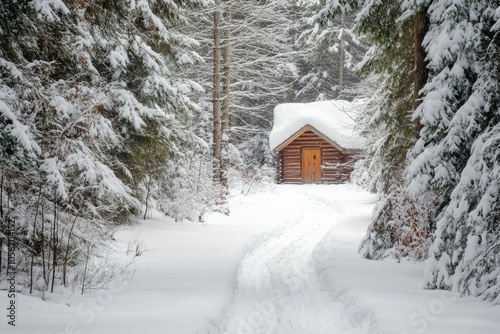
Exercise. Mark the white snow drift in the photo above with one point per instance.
(284, 262)
(334, 118)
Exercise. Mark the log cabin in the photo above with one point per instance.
(315, 142)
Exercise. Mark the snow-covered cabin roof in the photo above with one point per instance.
(334, 119)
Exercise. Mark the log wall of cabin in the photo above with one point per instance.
(335, 165)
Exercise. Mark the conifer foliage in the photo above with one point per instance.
(434, 133)
(329, 53)
(387, 87)
(457, 155)
(90, 116)
(99, 123)
(257, 72)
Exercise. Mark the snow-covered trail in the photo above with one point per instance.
(284, 261)
(279, 290)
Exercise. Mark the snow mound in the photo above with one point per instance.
(333, 118)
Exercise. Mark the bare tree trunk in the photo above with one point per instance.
(198, 181)
(31, 268)
(233, 122)
(54, 246)
(341, 59)
(49, 254)
(148, 195)
(44, 271)
(89, 246)
(1, 199)
(33, 237)
(226, 101)
(420, 74)
(66, 256)
(1, 217)
(217, 133)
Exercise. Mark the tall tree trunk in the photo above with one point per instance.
(341, 59)
(1, 198)
(66, 256)
(44, 270)
(217, 132)
(84, 279)
(420, 74)
(1, 219)
(54, 246)
(33, 236)
(149, 186)
(226, 100)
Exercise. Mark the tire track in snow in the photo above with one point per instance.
(278, 290)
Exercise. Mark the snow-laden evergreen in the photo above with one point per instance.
(457, 155)
(385, 117)
(387, 85)
(445, 191)
(329, 53)
(91, 114)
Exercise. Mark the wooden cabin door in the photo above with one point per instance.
(311, 165)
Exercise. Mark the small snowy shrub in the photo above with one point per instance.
(189, 192)
(381, 234)
(412, 219)
(257, 178)
(361, 174)
(400, 228)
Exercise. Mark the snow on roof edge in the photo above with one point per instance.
(332, 118)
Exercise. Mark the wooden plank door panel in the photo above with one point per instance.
(311, 165)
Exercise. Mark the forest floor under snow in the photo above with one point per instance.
(284, 262)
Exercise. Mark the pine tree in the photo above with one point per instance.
(456, 156)
(91, 114)
(262, 72)
(329, 54)
(388, 88)
(395, 71)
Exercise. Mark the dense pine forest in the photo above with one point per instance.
(113, 109)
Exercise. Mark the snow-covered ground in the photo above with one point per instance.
(284, 261)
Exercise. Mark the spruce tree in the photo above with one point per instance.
(91, 114)
(329, 54)
(456, 157)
